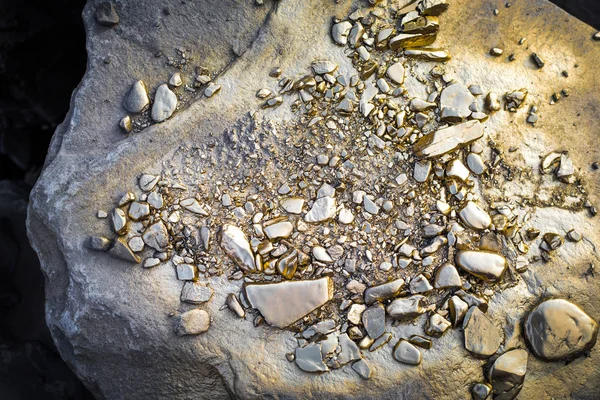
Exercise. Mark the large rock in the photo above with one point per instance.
(112, 320)
(558, 329)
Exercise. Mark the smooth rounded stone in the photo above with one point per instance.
(323, 209)
(407, 353)
(458, 309)
(475, 217)
(156, 236)
(345, 216)
(475, 163)
(421, 171)
(406, 308)
(396, 73)
(355, 313)
(284, 303)
(193, 322)
(456, 169)
(481, 391)
(293, 205)
(384, 291)
(320, 254)
(235, 244)
(446, 277)
(155, 200)
(195, 293)
(106, 14)
(373, 319)
(165, 103)
(137, 98)
(279, 230)
(362, 368)
(457, 97)
(446, 140)
(420, 284)
(340, 31)
(482, 264)
(559, 330)
(482, 337)
(507, 374)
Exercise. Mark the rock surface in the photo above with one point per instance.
(99, 334)
(557, 329)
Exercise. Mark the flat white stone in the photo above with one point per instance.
(136, 244)
(147, 182)
(448, 139)
(323, 209)
(195, 293)
(457, 97)
(293, 205)
(192, 205)
(396, 73)
(236, 246)
(482, 264)
(320, 254)
(475, 163)
(456, 169)
(186, 272)
(475, 217)
(370, 206)
(138, 210)
(156, 236)
(446, 277)
(322, 67)
(421, 171)
(283, 303)
(278, 230)
(165, 103)
(355, 313)
(345, 216)
(340, 31)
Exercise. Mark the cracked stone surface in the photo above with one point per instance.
(113, 321)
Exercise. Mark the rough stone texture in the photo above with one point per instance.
(129, 348)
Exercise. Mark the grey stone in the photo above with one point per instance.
(507, 374)
(137, 99)
(165, 103)
(406, 353)
(482, 264)
(195, 293)
(284, 303)
(384, 291)
(406, 308)
(362, 368)
(235, 244)
(373, 319)
(482, 337)
(106, 14)
(309, 358)
(193, 322)
(558, 329)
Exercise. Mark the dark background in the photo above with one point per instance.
(42, 59)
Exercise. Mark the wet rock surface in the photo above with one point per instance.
(363, 129)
